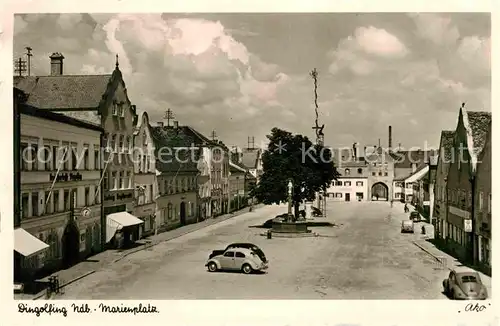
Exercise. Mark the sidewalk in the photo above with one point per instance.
(105, 258)
(443, 258)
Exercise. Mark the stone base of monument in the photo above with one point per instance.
(286, 229)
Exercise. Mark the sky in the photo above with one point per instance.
(243, 74)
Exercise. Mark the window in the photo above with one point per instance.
(105, 181)
(374, 174)
(170, 211)
(114, 181)
(121, 180)
(55, 161)
(128, 182)
(86, 158)
(74, 197)
(115, 109)
(55, 200)
(122, 111)
(144, 138)
(120, 142)
(339, 183)
(23, 152)
(360, 171)
(380, 173)
(74, 161)
(87, 196)
(97, 165)
(347, 183)
(130, 142)
(229, 254)
(47, 157)
(113, 143)
(34, 157)
(34, 204)
(347, 172)
(338, 195)
(25, 205)
(385, 174)
(67, 204)
(46, 204)
(359, 183)
(239, 255)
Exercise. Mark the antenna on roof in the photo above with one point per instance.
(117, 64)
(20, 66)
(169, 115)
(251, 142)
(214, 135)
(29, 55)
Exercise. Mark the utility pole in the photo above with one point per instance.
(29, 55)
(169, 115)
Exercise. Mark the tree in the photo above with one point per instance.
(294, 157)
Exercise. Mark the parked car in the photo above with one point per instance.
(407, 226)
(250, 246)
(242, 259)
(464, 284)
(415, 216)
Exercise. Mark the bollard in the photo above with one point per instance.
(269, 234)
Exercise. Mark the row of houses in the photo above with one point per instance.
(91, 173)
(450, 186)
(460, 189)
(379, 173)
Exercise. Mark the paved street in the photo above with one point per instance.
(364, 258)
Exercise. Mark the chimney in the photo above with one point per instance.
(176, 124)
(56, 64)
(354, 151)
(160, 124)
(390, 137)
(358, 154)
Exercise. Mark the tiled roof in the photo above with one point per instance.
(49, 115)
(89, 116)
(64, 91)
(250, 157)
(183, 160)
(409, 174)
(479, 123)
(447, 137)
(404, 159)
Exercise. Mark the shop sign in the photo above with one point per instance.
(62, 177)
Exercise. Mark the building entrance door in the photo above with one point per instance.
(347, 197)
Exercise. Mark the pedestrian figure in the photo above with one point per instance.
(391, 203)
(376, 196)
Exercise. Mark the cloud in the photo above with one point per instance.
(435, 28)
(379, 42)
(361, 52)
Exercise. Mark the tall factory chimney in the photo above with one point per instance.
(390, 137)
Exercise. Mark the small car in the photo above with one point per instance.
(407, 226)
(237, 259)
(250, 246)
(464, 284)
(415, 216)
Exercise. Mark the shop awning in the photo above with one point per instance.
(27, 244)
(117, 221)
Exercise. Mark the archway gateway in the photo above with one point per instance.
(380, 191)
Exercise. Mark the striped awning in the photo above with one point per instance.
(27, 244)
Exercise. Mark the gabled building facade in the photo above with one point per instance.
(352, 184)
(237, 179)
(176, 156)
(145, 183)
(443, 165)
(58, 191)
(469, 140)
(102, 100)
(482, 206)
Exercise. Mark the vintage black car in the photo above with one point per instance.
(250, 246)
(415, 216)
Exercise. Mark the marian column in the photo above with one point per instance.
(320, 140)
